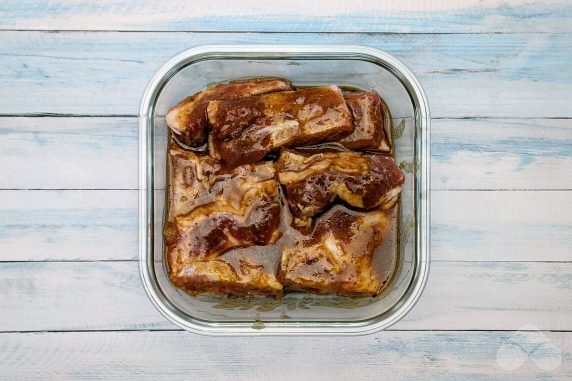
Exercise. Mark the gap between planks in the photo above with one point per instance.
(71, 115)
(369, 33)
(166, 330)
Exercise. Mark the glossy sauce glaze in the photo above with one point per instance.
(188, 119)
(372, 122)
(335, 257)
(316, 220)
(245, 130)
(314, 181)
(212, 210)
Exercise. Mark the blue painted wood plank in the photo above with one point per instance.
(416, 16)
(500, 226)
(73, 225)
(109, 296)
(501, 154)
(500, 75)
(64, 153)
(80, 296)
(465, 356)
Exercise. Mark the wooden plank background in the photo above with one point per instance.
(442, 16)
(498, 78)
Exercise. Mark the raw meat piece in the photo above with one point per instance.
(312, 182)
(336, 258)
(213, 210)
(372, 122)
(244, 130)
(188, 119)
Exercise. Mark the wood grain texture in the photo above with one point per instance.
(74, 295)
(465, 225)
(459, 296)
(482, 75)
(101, 153)
(68, 153)
(72, 225)
(301, 16)
(498, 77)
(501, 226)
(501, 154)
(465, 356)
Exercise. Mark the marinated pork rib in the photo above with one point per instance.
(372, 122)
(336, 257)
(188, 118)
(244, 130)
(213, 210)
(312, 182)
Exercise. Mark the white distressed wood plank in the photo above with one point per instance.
(64, 153)
(490, 75)
(77, 295)
(459, 296)
(296, 15)
(501, 226)
(71, 225)
(465, 225)
(501, 154)
(101, 153)
(494, 295)
(465, 356)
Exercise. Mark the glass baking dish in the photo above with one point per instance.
(305, 65)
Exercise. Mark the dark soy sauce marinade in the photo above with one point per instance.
(267, 258)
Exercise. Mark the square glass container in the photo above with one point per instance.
(305, 65)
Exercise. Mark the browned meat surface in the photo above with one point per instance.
(336, 258)
(213, 210)
(244, 130)
(372, 122)
(312, 182)
(188, 118)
